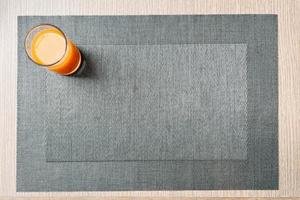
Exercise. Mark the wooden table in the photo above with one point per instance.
(289, 83)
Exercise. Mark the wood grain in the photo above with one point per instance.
(289, 83)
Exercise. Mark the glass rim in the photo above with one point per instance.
(29, 55)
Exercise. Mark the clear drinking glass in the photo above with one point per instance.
(48, 46)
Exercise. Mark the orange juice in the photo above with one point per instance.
(49, 47)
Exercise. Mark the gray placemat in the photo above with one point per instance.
(150, 102)
(259, 171)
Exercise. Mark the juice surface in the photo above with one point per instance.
(48, 46)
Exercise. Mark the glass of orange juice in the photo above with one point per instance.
(48, 46)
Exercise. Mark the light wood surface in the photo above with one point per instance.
(289, 83)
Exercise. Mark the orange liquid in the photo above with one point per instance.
(50, 48)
